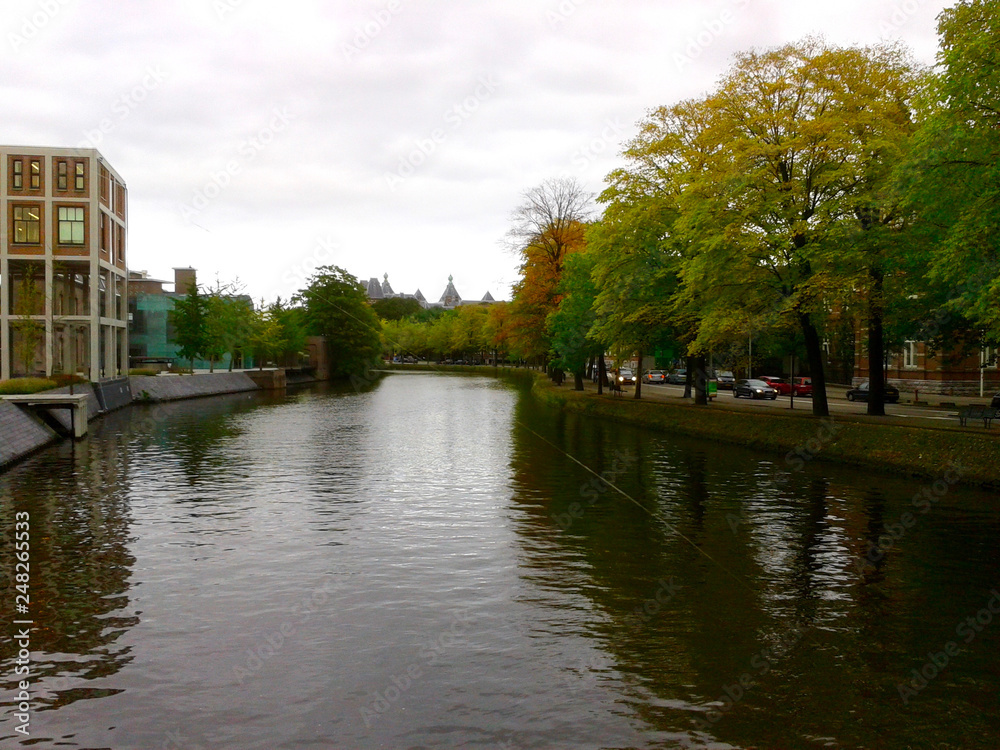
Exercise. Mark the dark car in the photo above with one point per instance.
(995, 403)
(725, 380)
(861, 393)
(654, 376)
(754, 389)
(677, 377)
(802, 386)
(777, 383)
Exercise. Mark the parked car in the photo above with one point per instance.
(654, 377)
(802, 386)
(754, 389)
(861, 393)
(725, 380)
(777, 384)
(625, 377)
(677, 377)
(995, 403)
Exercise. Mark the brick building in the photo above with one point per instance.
(63, 278)
(919, 368)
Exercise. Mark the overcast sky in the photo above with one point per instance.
(260, 139)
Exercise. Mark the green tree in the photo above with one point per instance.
(954, 176)
(189, 320)
(396, 308)
(267, 338)
(570, 325)
(336, 306)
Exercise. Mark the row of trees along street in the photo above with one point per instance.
(208, 324)
(817, 189)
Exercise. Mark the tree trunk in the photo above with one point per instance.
(814, 353)
(876, 347)
(578, 380)
(689, 365)
(700, 381)
(601, 375)
(638, 377)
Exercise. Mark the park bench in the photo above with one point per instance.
(984, 413)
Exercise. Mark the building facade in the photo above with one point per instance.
(919, 367)
(63, 277)
(151, 333)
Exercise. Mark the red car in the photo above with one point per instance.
(803, 386)
(777, 383)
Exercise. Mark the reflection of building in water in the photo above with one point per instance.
(63, 278)
(450, 298)
(81, 560)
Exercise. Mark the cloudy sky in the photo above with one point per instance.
(260, 139)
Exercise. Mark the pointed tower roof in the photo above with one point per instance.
(386, 289)
(374, 289)
(488, 297)
(418, 295)
(450, 297)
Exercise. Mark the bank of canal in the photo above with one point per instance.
(434, 562)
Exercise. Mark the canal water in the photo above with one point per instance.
(440, 562)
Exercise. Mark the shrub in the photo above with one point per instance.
(21, 386)
(143, 371)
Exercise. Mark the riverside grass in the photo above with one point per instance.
(912, 451)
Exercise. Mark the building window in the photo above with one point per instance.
(990, 356)
(104, 232)
(62, 175)
(36, 174)
(70, 225)
(27, 225)
(910, 354)
(79, 176)
(18, 167)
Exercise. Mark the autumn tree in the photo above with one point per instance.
(548, 225)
